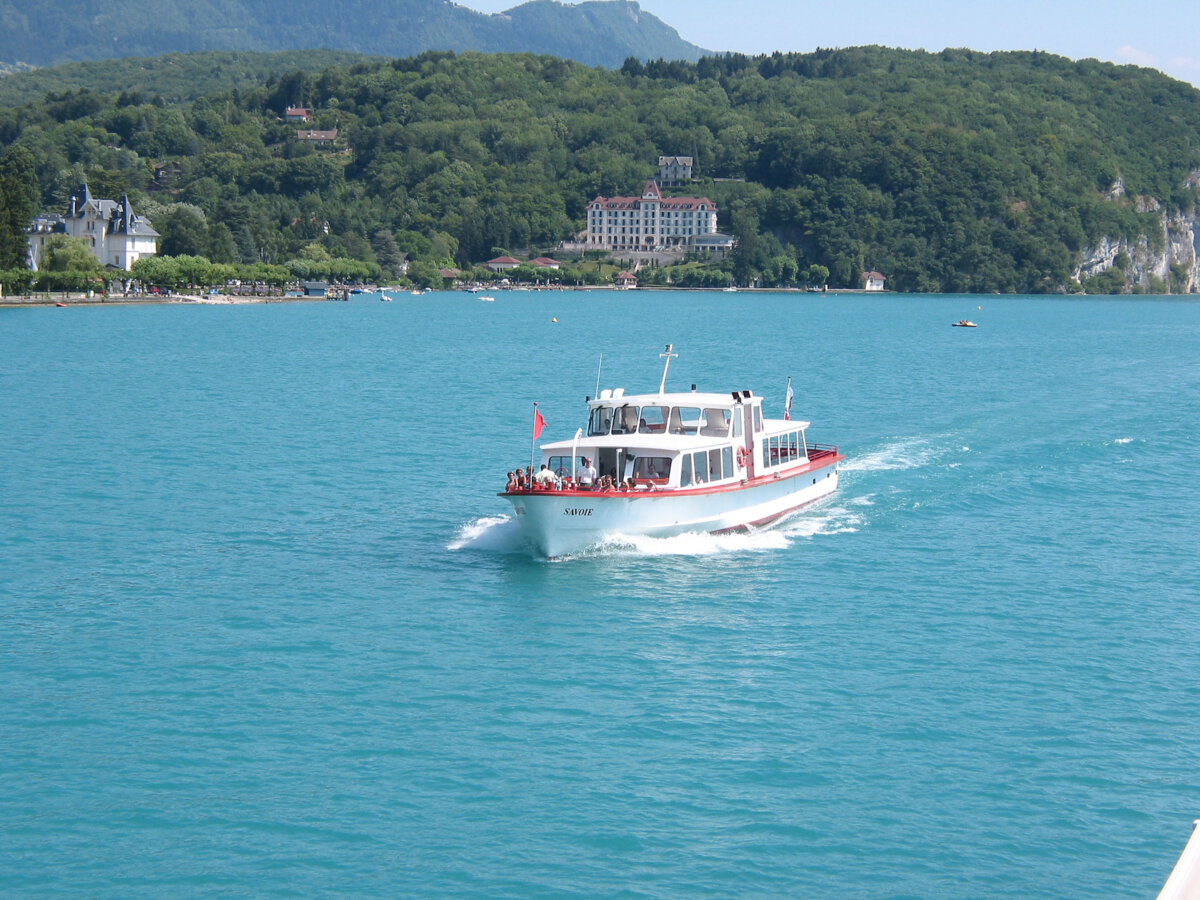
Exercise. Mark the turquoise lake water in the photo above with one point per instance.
(266, 628)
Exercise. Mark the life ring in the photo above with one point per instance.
(743, 457)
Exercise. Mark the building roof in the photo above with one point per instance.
(873, 274)
(317, 135)
(678, 160)
(124, 221)
(664, 203)
(298, 111)
(544, 262)
(505, 260)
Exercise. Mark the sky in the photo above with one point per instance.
(1164, 34)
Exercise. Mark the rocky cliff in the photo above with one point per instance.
(1168, 261)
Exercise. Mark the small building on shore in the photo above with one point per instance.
(873, 281)
(502, 263)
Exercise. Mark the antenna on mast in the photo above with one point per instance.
(662, 387)
(598, 368)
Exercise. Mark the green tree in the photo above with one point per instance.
(68, 265)
(19, 203)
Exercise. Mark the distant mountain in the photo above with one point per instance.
(599, 33)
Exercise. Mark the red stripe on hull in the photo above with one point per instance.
(811, 466)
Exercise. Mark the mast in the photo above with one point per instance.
(662, 387)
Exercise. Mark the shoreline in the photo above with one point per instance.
(145, 300)
(41, 300)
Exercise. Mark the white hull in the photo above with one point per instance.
(556, 523)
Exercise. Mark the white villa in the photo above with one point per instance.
(114, 233)
(649, 222)
(674, 169)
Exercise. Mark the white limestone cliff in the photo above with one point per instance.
(1180, 249)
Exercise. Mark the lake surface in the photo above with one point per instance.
(266, 628)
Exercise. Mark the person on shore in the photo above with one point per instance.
(587, 475)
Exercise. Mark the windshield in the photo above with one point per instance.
(654, 420)
(600, 421)
(716, 423)
(626, 420)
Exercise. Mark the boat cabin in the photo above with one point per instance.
(679, 441)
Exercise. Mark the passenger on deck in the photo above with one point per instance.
(512, 482)
(546, 478)
(587, 474)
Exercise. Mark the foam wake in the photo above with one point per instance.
(496, 534)
(912, 453)
(501, 534)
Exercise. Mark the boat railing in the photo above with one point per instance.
(819, 451)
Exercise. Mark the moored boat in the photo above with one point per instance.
(667, 463)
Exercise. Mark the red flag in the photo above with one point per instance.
(538, 422)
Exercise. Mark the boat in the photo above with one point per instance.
(670, 463)
(1184, 881)
(486, 299)
(964, 323)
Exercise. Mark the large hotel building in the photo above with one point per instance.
(651, 222)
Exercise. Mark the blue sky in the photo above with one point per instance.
(1163, 34)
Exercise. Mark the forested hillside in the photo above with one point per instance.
(951, 171)
(173, 77)
(601, 32)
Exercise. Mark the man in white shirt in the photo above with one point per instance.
(545, 477)
(587, 474)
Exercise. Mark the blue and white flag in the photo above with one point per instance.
(787, 400)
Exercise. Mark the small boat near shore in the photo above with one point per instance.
(487, 299)
(669, 463)
(964, 323)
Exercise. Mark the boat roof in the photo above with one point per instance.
(665, 441)
(678, 398)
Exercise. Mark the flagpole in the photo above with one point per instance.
(533, 442)
(787, 400)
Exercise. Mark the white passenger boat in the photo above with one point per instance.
(671, 463)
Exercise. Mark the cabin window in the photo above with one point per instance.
(654, 420)
(757, 419)
(727, 461)
(766, 449)
(626, 421)
(600, 422)
(716, 423)
(714, 465)
(561, 465)
(793, 446)
(700, 466)
(737, 424)
(774, 450)
(685, 420)
(685, 470)
(652, 468)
